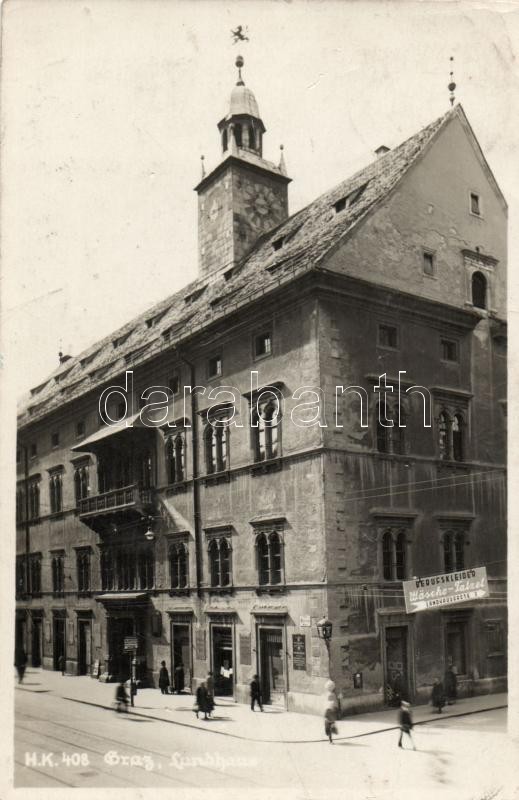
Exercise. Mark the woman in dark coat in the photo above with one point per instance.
(163, 678)
(179, 678)
(405, 722)
(438, 695)
(451, 686)
(201, 701)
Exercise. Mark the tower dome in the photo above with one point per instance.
(243, 102)
(242, 128)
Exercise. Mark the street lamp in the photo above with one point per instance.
(324, 631)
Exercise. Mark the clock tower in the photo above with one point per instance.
(244, 196)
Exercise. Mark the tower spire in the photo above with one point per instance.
(452, 86)
(239, 63)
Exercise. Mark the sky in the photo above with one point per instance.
(108, 106)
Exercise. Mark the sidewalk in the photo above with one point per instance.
(237, 720)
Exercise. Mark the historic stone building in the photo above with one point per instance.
(220, 542)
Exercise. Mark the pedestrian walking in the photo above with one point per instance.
(20, 662)
(438, 695)
(163, 678)
(201, 700)
(179, 677)
(451, 685)
(405, 720)
(209, 685)
(255, 693)
(121, 698)
(330, 716)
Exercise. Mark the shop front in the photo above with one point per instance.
(271, 657)
(127, 617)
(222, 652)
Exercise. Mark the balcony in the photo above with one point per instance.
(128, 504)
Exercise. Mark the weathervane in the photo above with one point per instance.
(239, 34)
(452, 86)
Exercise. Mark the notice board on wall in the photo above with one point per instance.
(200, 645)
(299, 651)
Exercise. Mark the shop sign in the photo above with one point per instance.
(437, 591)
(130, 643)
(305, 622)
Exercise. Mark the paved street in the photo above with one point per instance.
(66, 742)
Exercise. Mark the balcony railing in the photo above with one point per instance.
(133, 496)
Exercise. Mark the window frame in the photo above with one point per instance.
(388, 326)
(267, 560)
(477, 195)
(217, 357)
(456, 344)
(426, 254)
(216, 563)
(262, 432)
(392, 534)
(265, 354)
(174, 452)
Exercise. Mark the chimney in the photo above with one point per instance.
(382, 150)
(63, 358)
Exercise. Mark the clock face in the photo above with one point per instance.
(262, 203)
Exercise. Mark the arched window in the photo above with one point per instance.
(400, 556)
(102, 476)
(398, 432)
(237, 134)
(454, 551)
(175, 458)
(146, 470)
(178, 565)
(214, 562)
(224, 140)
(55, 492)
(263, 559)
(146, 568)
(107, 570)
(220, 562)
(444, 435)
(215, 437)
(457, 437)
(267, 429)
(479, 290)
(387, 556)
(225, 563)
(275, 558)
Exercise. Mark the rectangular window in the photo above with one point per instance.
(54, 440)
(214, 367)
(475, 205)
(428, 263)
(35, 573)
(495, 638)
(174, 384)
(20, 576)
(449, 350)
(58, 574)
(80, 429)
(262, 345)
(388, 336)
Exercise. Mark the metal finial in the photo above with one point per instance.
(452, 86)
(202, 158)
(239, 63)
(282, 165)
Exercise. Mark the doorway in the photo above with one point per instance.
(181, 652)
(272, 665)
(36, 640)
(223, 661)
(397, 668)
(83, 655)
(120, 661)
(59, 649)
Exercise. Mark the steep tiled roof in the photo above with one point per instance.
(298, 244)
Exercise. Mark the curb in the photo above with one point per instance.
(285, 741)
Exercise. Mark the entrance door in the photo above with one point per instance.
(36, 643)
(456, 645)
(83, 656)
(120, 662)
(272, 665)
(59, 649)
(20, 646)
(223, 662)
(181, 652)
(397, 672)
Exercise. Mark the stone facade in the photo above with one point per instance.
(222, 554)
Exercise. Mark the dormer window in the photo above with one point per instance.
(349, 199)
(152, 321)
(121, 339)
(278, 244)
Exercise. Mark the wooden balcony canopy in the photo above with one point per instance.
(106, 434)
